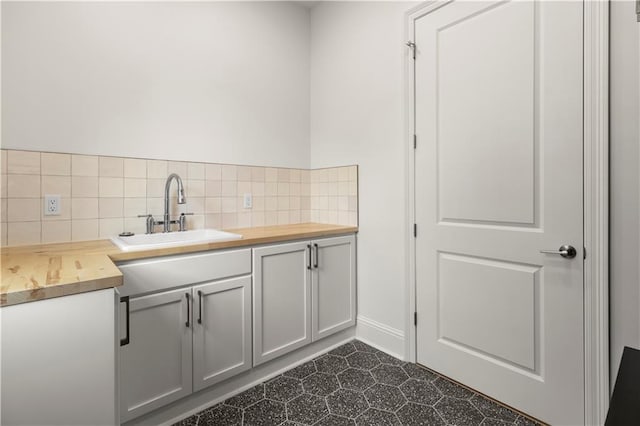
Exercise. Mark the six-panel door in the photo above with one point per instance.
(155, 367)
(333, 285)
(221, 330)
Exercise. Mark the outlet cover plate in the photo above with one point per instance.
(52, 205)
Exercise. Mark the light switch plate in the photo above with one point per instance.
(52, 205)
(247, 201)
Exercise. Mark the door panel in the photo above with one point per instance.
(222, 330)
(498, 92)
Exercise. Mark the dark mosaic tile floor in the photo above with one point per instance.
(357, 385)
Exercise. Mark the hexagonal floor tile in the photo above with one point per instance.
(321, 384)
(307, 409)
(283, 389)
(377, 417)
(363, 347)
(301, 371)
(355, 379)
(458, 412)
(363, 360)
(490, 409)
(333, 420)
(385, 397)
(420, 392)
(419, 373)
(347, 403)
(449, 388)
(390, 375)
(494, 422)
(330, 364)
(248, 397)
(344, 350)
(264, 413)
(523, 421)
(419, 415)
(221, 415)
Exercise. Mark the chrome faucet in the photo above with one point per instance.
(181, 199)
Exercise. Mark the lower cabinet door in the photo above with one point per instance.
(156, 364)
(334, 285)
(222, 330)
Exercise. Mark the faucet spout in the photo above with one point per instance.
(181, 198)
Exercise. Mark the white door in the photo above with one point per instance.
(333, 285)
(156, 365)
(221, 330)
(498, 177)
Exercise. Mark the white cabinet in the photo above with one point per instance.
(155, 366)
(58, 361)
(302, 292)
(221, 330)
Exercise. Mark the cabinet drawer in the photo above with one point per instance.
(150, 275)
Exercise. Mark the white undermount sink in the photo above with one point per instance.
(172, 239)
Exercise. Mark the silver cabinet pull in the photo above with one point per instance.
(566, 251)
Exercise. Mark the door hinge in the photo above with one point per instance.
(415, 138)
(412, 46)
(415, 318)
(415, 230)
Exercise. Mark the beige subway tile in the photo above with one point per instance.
(353, 173)
(284, 175)
(213, 171)
(111, 167)
(60, 185)
(332, 189)
(305, 176)
(270, 204)
(229, 172)
(343, 188)
(283, 217)
(155, 206)
(23, 233)
(305, 216)
(212, 188)
(229, 205)
(110, 227)
(84, 187)
(294, 203)
(271, 218)
(3, 162)
(270, 174)
(196, 221)
(283, 189)
(295, 175)
(85, 208)
(56, 232)
(135, 168)
(3, 209)
(323, 175)
(343, 174)
(244, 173)
(332, 216)
(195, 188)
(213, 205)
(213, 221)
(244, 188)
(4, 186)
(353, 203)
(294, 216)
(229, 188)
(155, 188)
(23, 162)
(315, 176)
(343, 203)
(135, 225)
(323, 189)
(195, 171)
(55, 164)
(258, 204)
(84, 165)
(195, 205)
(353, 219)
(315, 216)
(353, 188)
(294, 189)
(244, 220)
(257, 189)
(3, 234)
(84, 229)
(229, 220)
(333, 203)
(305, 189)
(257, 174)
(323, 216)
(315, 189)
(111, 207)
(257, 218)
(332, 174)
(177, 167)
(271, 189)
(305, 203)
(111, 187)
(24, 209)
(157, 169)
(343, 218)
(65, 211)
(283, 203)
(23, 186)
(132, 207)
(134, 187)
(315, 203)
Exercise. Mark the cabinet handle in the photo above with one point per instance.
(315, 265)
(200, 307)
(125, 341)
(309, 260)
(188, 310)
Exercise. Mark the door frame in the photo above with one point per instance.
(596, 200)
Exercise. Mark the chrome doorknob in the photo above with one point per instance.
(566, 251)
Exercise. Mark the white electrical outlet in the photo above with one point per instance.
(248, 201)
(52, 205)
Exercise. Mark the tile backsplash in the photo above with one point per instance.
(103, 196)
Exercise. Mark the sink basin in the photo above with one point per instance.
(172, 239)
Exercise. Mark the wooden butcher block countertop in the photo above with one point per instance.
(43, 271)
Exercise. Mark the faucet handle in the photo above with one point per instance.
(150, 222)
(145, 215)
(182, 222)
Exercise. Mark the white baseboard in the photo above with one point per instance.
(381, 336)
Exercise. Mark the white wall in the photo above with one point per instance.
(223, 82)
(625, 180)
(357, 98)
